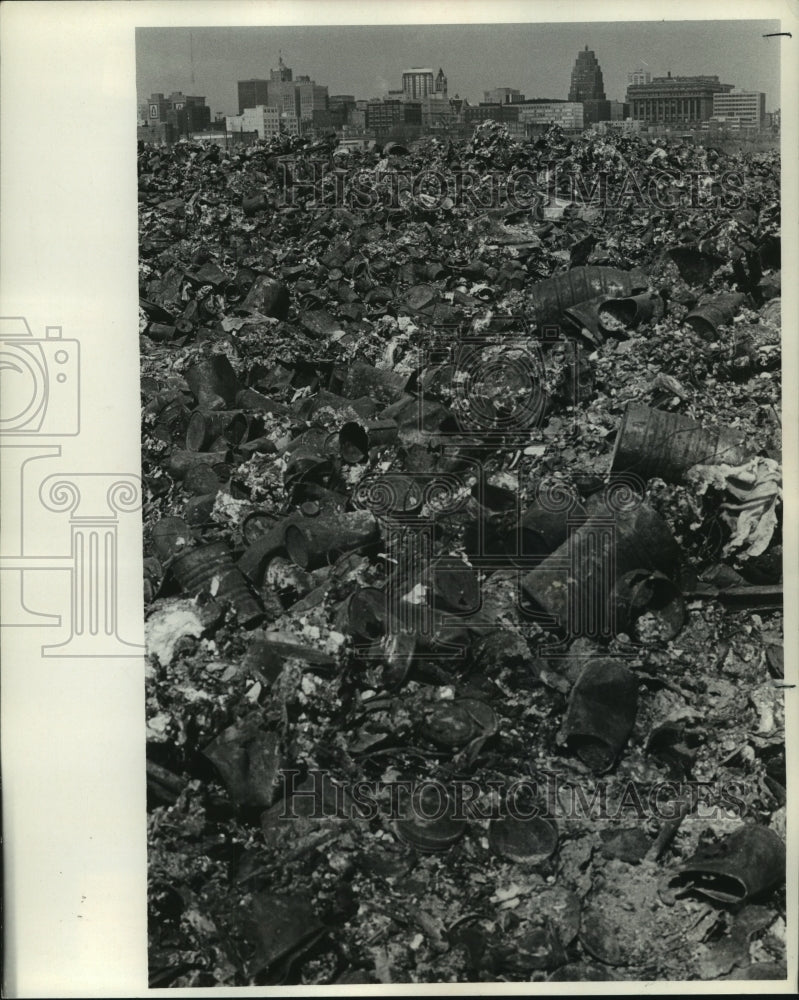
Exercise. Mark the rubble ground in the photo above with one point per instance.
(277, 305)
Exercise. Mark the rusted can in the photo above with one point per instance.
(198, 509)
(161, 332)
(575, 583)
(251, 399)
(585, 317)
(454, 585)
(356, 440)
(362, 379)
(318, 541)
(601, 713)
(211, 380)
(630, 312)
(644, 592)
(181, 461)
(205, 428)
(366, 613)
(652, 442)
(197, 568)
(170, 536)
(256, 557)
(710, 316)
(745, 864)
(202, 480)
(551, 297)
(543, 527)
(267, 296)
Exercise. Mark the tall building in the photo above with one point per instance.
(282, 74)
(252, 93)
(418, 82)
(312, 97)
(638, 76)
(675, 100)
(300, 97)
(440, 85)
(749, 107)
(587, 83)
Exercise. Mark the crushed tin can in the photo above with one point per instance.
(652, 442)
(742, 866)
(601, 713)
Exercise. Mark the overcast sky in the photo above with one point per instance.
(534, 58)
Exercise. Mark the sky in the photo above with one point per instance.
(535, 58)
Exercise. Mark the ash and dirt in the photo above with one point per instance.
(239, 896)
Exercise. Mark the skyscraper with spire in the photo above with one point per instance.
(587, 83)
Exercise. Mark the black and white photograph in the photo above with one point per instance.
(396, 545)
(461, 450)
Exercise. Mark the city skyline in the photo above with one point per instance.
(537, 59)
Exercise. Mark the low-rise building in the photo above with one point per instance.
(502, 95)
(263, 120)
(567, 114)
(382, 116)
(748, 106)
(675, 100)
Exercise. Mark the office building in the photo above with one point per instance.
(436, 112)
(675, 100)
(299, 96)
(332, 118)
(586, 82)
(261, 119)
(184, 113)
(619, 110)
(749, 107)
(417, 82)
(282, 74)
(386, 116)
(567, 114)
(312, 97)
(157, 108)
(289, 123)
(503, 113)
(252, 93)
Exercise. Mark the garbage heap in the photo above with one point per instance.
(462, 534)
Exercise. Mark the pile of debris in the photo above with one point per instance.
(463, 562)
